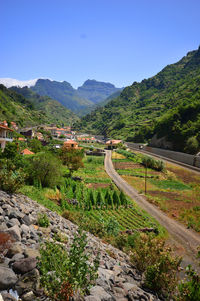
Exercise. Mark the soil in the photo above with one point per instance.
(98, 185)
(126, 165)
(185, 175)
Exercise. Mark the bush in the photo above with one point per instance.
(11, 178)
(154, 259)
(192, 145)
(189, 290)
(152, 163)
(43, 220)
(45, 169)
(63, 273)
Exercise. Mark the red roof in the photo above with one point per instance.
(4, 127)
(26, 151)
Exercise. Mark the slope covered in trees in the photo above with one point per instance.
(15, 107)
(166, 104)
(53, 109)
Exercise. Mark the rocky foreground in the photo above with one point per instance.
(19, 276)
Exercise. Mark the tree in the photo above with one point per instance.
(44, 168)
(72, 158)
(35, 145)
(192, 145)
(10, 151)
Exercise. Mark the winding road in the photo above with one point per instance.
(179, 235)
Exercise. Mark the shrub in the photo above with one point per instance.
(152, 163)
(43, 220)
(189, 290)
(112, 226)
(44, 168)
(11, 180)
(154, 259)
(63, 273)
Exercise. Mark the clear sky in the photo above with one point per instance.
(117, 41)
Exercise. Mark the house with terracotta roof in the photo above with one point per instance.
(26, 151)
(71, 144)
(112, 144)
(5, 134)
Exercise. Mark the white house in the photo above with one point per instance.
(5, 135)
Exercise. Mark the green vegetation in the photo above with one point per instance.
(71, 271)
(43, 220)
(53, 110)
(32, 110)
(174, 189)
(173, 94)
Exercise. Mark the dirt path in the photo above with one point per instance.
(185, 239)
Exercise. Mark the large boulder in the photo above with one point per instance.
(25, 265)
(7, 278)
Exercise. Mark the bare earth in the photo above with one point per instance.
(186, 241)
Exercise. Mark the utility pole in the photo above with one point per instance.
(145, 180)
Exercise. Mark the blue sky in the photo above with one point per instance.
(117, 41)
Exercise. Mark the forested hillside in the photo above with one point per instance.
(166, 104)
(55, 112)
(15, 107)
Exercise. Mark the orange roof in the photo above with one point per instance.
(70, 142)
(26, 151)
(113, 141)
(21, 139)
(4, 127)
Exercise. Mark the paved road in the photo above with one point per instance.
(187, 238)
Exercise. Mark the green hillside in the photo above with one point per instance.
(139, 112)
(54, 111)
(15, 107)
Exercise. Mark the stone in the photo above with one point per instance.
(7, 278)
(17, 257)
(3, 227)
(25, 229)
(25, 265)
(28, 282)
(129, 286)
(29, 252)
(92, 298)
(14, 232)
(8, 297)
(26, 220)
(14, 249)
(28, 296)
(101, 293)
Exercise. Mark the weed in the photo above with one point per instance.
(43, 220)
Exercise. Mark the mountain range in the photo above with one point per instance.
(80, 101)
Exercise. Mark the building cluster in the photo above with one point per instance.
(65, 134)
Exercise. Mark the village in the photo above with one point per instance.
(10, 132)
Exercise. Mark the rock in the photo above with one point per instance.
(17, 257)
(26, 220)
(24, 265)
(14, 232)
(25, 229)
(14, 249)
(7, 278)
(101, 293)
(28, 296)
(28, 282)
(8, 297)
(29, 252)
(92, 298)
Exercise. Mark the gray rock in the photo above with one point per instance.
(7, 278)
(26, 220)
(25, 265)
(14, 249)
(25, 229)
(3, 227)
(28, 282)
(92, 298)
(101, 293)
(8, 297)
(28, 296)
(17, 257)
(14, 232)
